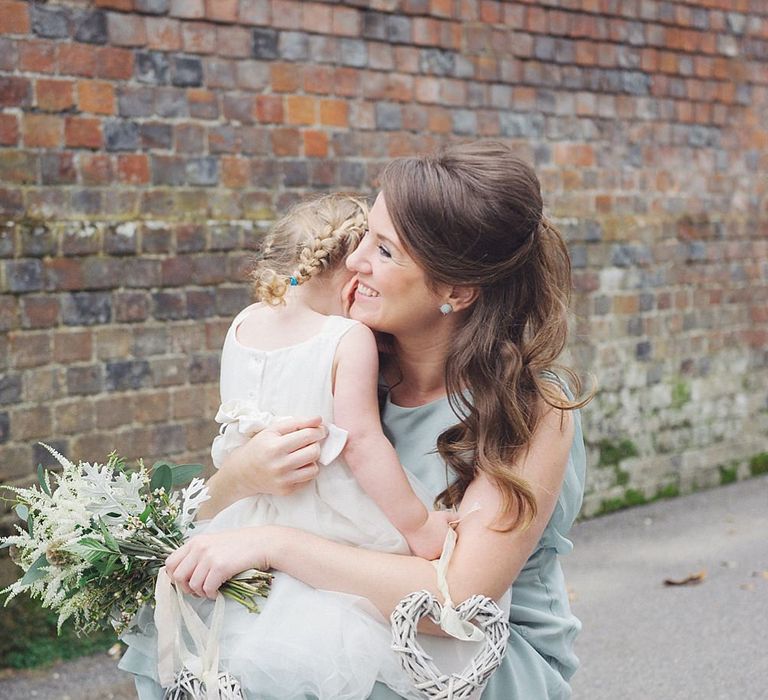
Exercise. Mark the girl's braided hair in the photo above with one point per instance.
(314, 236)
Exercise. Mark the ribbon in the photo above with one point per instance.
(450, 621)
(241, 420)
(172, 615)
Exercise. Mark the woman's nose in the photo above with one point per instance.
(354, 261)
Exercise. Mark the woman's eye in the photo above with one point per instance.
(384, 251)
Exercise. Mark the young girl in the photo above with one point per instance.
(294, 354)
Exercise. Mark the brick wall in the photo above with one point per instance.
(143, 143)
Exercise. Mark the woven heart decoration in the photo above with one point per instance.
(427, 678)
(187, 686)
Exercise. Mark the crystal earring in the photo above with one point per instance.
(446, 309)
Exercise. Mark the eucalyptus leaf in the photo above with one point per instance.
(184, 473)
(41, 480)
(162, 478)
(145, 515)
(22, 511)
(35, 572)
(110, 541)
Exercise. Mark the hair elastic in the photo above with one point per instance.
(293, 281)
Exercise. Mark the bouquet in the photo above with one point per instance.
(97, 534)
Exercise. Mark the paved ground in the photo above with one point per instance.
(641, 640)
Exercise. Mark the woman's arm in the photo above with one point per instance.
(277, 460)
(485, 561)
(368, 453)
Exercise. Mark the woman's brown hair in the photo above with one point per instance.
(472, 215)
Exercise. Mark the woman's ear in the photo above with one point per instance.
(461, 298)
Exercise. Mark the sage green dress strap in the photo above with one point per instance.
(540, 658)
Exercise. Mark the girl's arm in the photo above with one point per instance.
(485, 561)
(368, 453)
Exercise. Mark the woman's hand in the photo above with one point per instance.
(278, 460)
(204, 562)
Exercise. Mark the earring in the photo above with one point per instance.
(446, 309)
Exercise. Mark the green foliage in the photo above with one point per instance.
(622, 477)
(611, 453)
(758, 465)
(28, 636)
(681, 394)
(728, 475)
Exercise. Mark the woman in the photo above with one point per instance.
(468, 285)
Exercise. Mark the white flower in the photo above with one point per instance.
(192, 498)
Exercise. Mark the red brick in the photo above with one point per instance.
(233, 41)
(346, 82)
(126, 30)
(202, 103)
(39, 311)
(318, 79)
(163, 33)
(81, 132)
(254, 12)
(72, 346)
(586, 53)
(334, 113)
(77, 59)
(269, 109)
(316, 17)
(536, 20)
(221, 10)
(122, 5)
(315, 144)
(235, 171)
(37, 56)
(54, 95)
(285, 77)
(198, 37)
(96, 97)
(440, 121)
(346, 22)
(426, 31)
(14, 18)
(300, 109)
(407, 59)
(574, 154)
(285, 142)
(9, 130)
(490, 12)
(42, 130)
(133, 168)
(95, 168)
(114, 63)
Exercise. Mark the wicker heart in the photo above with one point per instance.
(426, 677)
(187, 686)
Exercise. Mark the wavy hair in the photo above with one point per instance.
(472, 215)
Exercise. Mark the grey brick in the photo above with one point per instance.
(737, 23)
(565, 51)
(10, 388)
(437, 61)
(635, 326)
(635, 82)
(168, 170)
(171, 102)
(295, 173)
(86, 202)
(151, 67)
(398, 29)
(84, 380)
(353, 52)
(128, 375)
(224, 236)
(463, 67)
(293, 46)
(700, 18)
(220, 73)
(155, 135)
(135, 102)
(24, 275)
(265, 44)
(375, 25)
(86, 308)
(148, 341)
(169, 306)
(5, 427)
(544, 48)
(120, 135)
(323, 49)
(203, 368)
(37, 240)
(351, 173)
(628, 56)
(526, 125)
(643, 350)
(203, 171)
(91, 27)
(578, 256)
(49, 22)
(186, 71)
(464, 122)
(388, 116)
(201, 303)
(636, 34)
(151, 7)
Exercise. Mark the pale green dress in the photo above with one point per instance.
(540, 658)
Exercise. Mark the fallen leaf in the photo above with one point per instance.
(571, 594)
(690, 580)
(747, 586)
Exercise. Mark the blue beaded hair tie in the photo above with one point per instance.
(294, 282)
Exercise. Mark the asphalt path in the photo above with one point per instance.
(642, 639)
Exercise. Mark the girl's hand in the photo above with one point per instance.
(204, 562)
(427, 541)
(280, 459)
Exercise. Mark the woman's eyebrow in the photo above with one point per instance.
(387, 238)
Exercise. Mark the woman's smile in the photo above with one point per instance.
(365, 290)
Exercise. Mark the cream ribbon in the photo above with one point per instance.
(172, 615)
(242, 419)
(450, 621)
